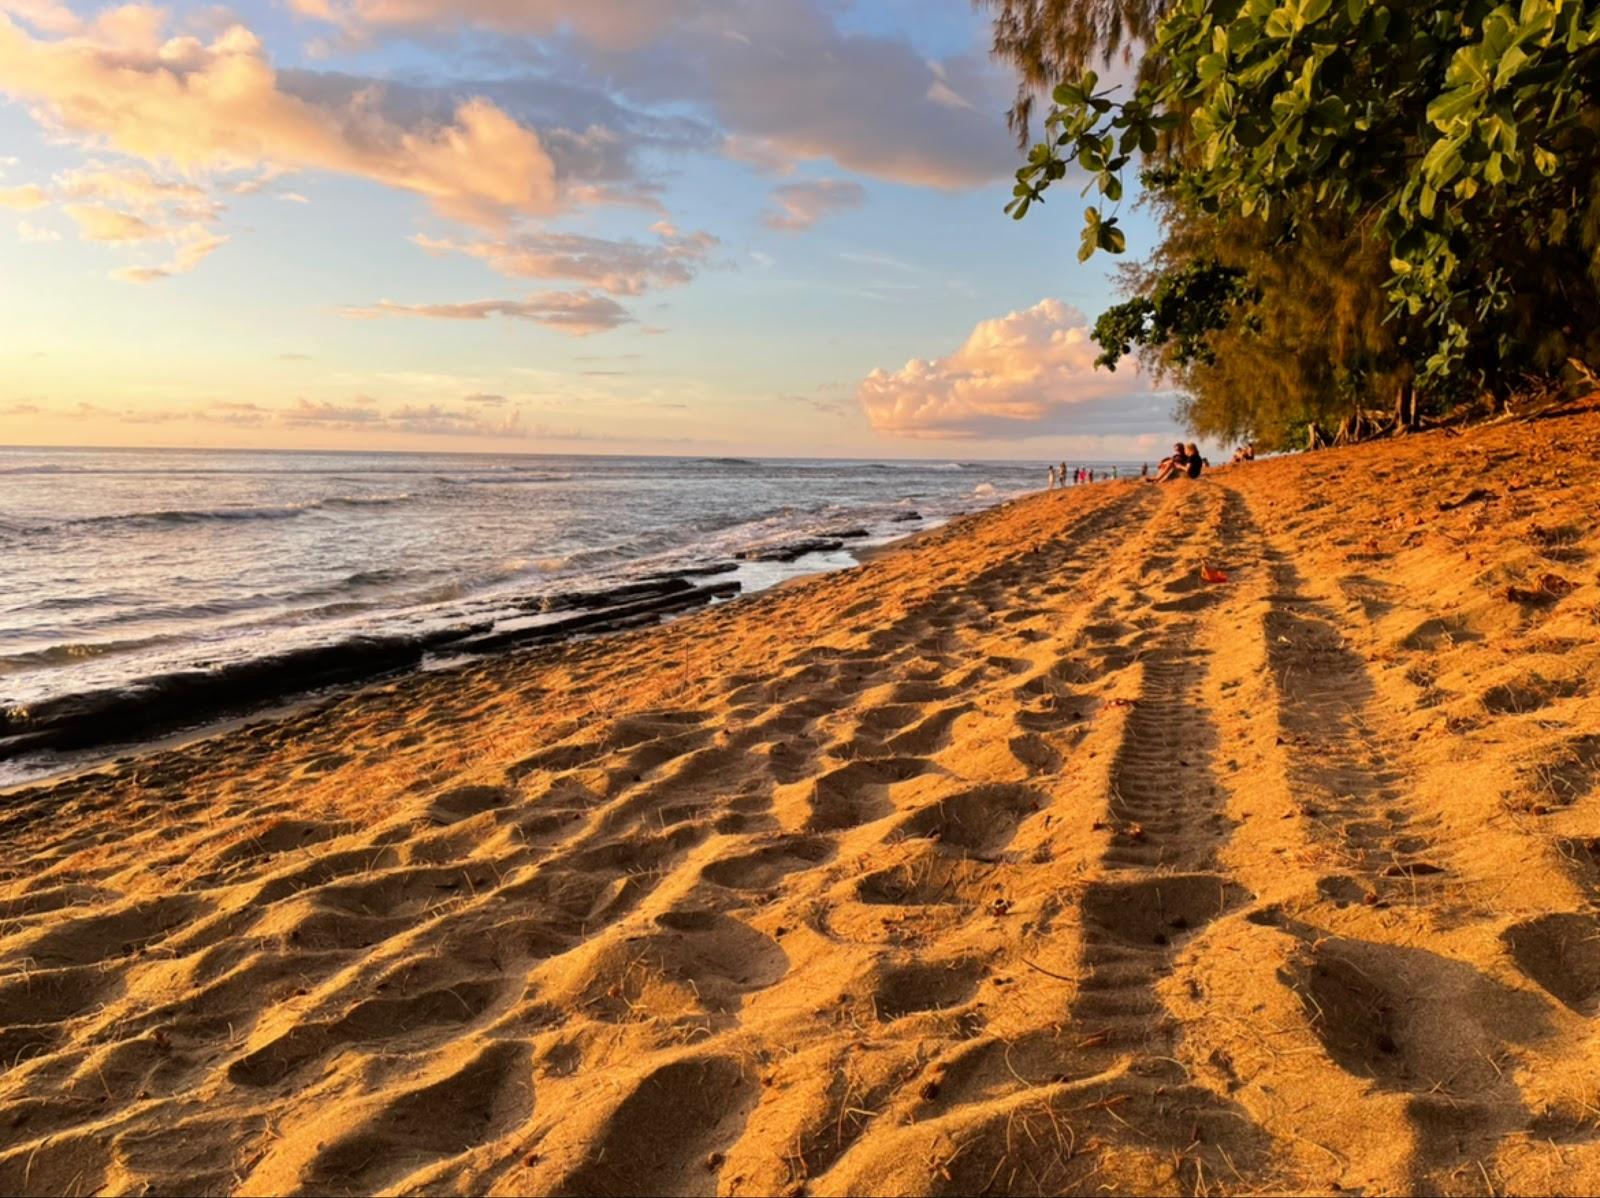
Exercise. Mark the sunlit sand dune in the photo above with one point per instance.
(1020, 860)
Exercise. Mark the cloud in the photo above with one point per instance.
(24, 198)
(615, 24)
(35, 234)
(248, 415)
(195, 245)
(618, 267)
(801, 205)
(1024, 374)
(96, 222)
(131, 187)
(220, 107)
(579, 313)
(435, 419)
(48, 15)
(782, 80)
(362, 411)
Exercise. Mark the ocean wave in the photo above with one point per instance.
(184, 516)
(510, 479)
(71, 653)
(364, 500)
(54, 468)
(191, 515)
(984, 489)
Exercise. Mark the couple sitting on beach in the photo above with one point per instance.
(1185, 460)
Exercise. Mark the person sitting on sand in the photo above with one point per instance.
(1245, 453)
(1192, 460)
(1172, 465)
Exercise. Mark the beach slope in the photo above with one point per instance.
(1225, 836)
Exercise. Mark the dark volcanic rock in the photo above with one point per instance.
(183, 697)
(902, 517)
(791, 550)
(609, 597)
(607, 619)
(694, 571)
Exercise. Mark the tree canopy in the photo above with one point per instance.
(1424, 172)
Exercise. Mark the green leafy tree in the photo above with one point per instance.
(1455, 143)
(1050, 40)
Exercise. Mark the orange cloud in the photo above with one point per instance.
(615, 24)
(96, 222)
(579, 313)
(24, 198)
(196, 244)
(1022, 374)
(219, 107)
(618, 267)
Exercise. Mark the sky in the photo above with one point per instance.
(766, 227)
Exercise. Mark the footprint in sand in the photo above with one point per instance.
(917, 986)
(858, 793)
(764, 867)
(375, 1142)
(667, 1134)
(1562, 953)
(981, 820)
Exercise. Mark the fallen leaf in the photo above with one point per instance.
(1207, 574)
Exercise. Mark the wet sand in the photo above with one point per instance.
(1019, 860)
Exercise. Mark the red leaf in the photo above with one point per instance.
(1207, 574)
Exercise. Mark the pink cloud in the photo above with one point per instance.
(579, 313)
(1019, 375)
(801, 205)
(617, 267)
(219, 107)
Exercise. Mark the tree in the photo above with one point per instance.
(1051, 40)
(1456, 142)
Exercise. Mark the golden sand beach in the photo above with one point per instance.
(1021, 859)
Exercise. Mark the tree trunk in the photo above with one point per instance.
(1405, 409)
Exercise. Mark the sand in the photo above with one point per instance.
(1021, 859)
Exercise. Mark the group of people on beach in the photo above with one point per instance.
(1184, 462)
(1080, 475)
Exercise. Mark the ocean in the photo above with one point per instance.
(125, 569)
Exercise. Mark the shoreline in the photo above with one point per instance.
(872, 882)
(75, 732)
